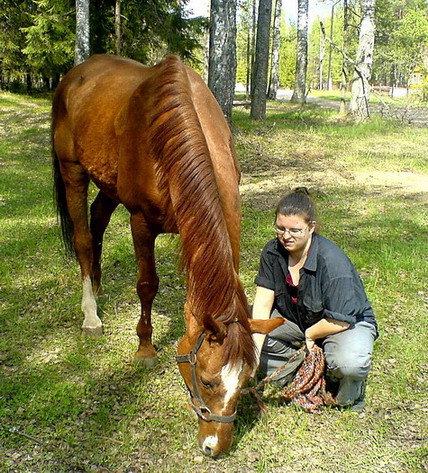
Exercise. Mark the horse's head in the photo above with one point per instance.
(215, 368)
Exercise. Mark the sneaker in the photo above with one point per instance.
(360, 402)
(358, 406)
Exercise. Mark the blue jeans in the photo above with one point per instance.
(348, 355)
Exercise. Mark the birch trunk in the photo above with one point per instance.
(359, 106)
(82, 31)
(276, 44)
(118, 26)
(344, 81)
(299, 94)
(321, 63)
(261, 62)
(222, 53)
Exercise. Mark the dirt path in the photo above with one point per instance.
(412, 115)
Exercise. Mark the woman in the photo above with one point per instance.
(309, 281)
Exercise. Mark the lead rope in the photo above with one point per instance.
(254, 391)
(308, 388)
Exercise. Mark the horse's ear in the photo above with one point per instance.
(217, 332)
(265, 326)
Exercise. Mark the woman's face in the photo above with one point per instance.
(294, 232)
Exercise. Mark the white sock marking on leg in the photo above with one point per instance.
(89, 305)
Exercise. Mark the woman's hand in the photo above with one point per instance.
(309, 342)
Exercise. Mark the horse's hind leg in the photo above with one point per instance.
(101, 211)
(147, 285)
(76, 186)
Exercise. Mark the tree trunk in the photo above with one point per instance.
(321, 63)
(330, 51)
(299, 94)
(261, 62)
(274, 69)
(344, 81)
(251, 42)
(253, 45)
(82, 31)
(29, 83)
(359, 106)
(118, 26)
(222, 53)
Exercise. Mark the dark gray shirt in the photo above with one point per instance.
(329, 285)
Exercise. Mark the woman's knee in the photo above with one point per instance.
(346, 365)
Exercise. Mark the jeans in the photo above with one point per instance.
(348, 356)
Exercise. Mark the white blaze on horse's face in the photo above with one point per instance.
(210, 443)
(230, 379)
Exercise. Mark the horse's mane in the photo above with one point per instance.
(189, 188)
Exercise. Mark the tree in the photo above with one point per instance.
(299, 93)
(13, 62)
(118, 26)
(222, 53)
(50, 39)
(82, 31)
(345, 44)
(359, 106)
(38, 37)
(287, 66)
(261, 61)
(400, 39)
(246, 28)
(276, 46)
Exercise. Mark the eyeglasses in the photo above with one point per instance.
(294, 232)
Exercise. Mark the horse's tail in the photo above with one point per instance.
(61, 202)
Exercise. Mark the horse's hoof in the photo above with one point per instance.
(148, 362)
(93, 332)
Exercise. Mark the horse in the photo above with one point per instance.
(154, 139)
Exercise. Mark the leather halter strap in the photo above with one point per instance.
(201, 409)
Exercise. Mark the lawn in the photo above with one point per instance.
(74, 404)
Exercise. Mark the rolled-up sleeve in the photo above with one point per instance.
(343, 300)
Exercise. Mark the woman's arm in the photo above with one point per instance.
(323, 328)
(262, 307)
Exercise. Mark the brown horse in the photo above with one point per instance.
(154, 139)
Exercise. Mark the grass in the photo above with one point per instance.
(71, 404)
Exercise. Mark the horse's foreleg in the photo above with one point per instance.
(101, 211)
(147, 285)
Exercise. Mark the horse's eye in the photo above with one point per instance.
(206, 384)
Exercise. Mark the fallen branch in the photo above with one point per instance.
(15, 431)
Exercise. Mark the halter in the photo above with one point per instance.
(201, 409)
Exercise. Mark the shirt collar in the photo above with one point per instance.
(311, 261)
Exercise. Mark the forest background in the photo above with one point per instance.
(37, 40)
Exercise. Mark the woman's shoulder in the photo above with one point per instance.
(331, 255)
(327, 246)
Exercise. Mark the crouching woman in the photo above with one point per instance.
(309, 281)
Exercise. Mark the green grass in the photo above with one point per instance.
(72, 404)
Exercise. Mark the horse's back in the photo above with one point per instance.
(85, 107)
(105, 111)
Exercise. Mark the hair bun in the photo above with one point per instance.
(302, 190)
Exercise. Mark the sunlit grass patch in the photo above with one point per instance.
(69, 403)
